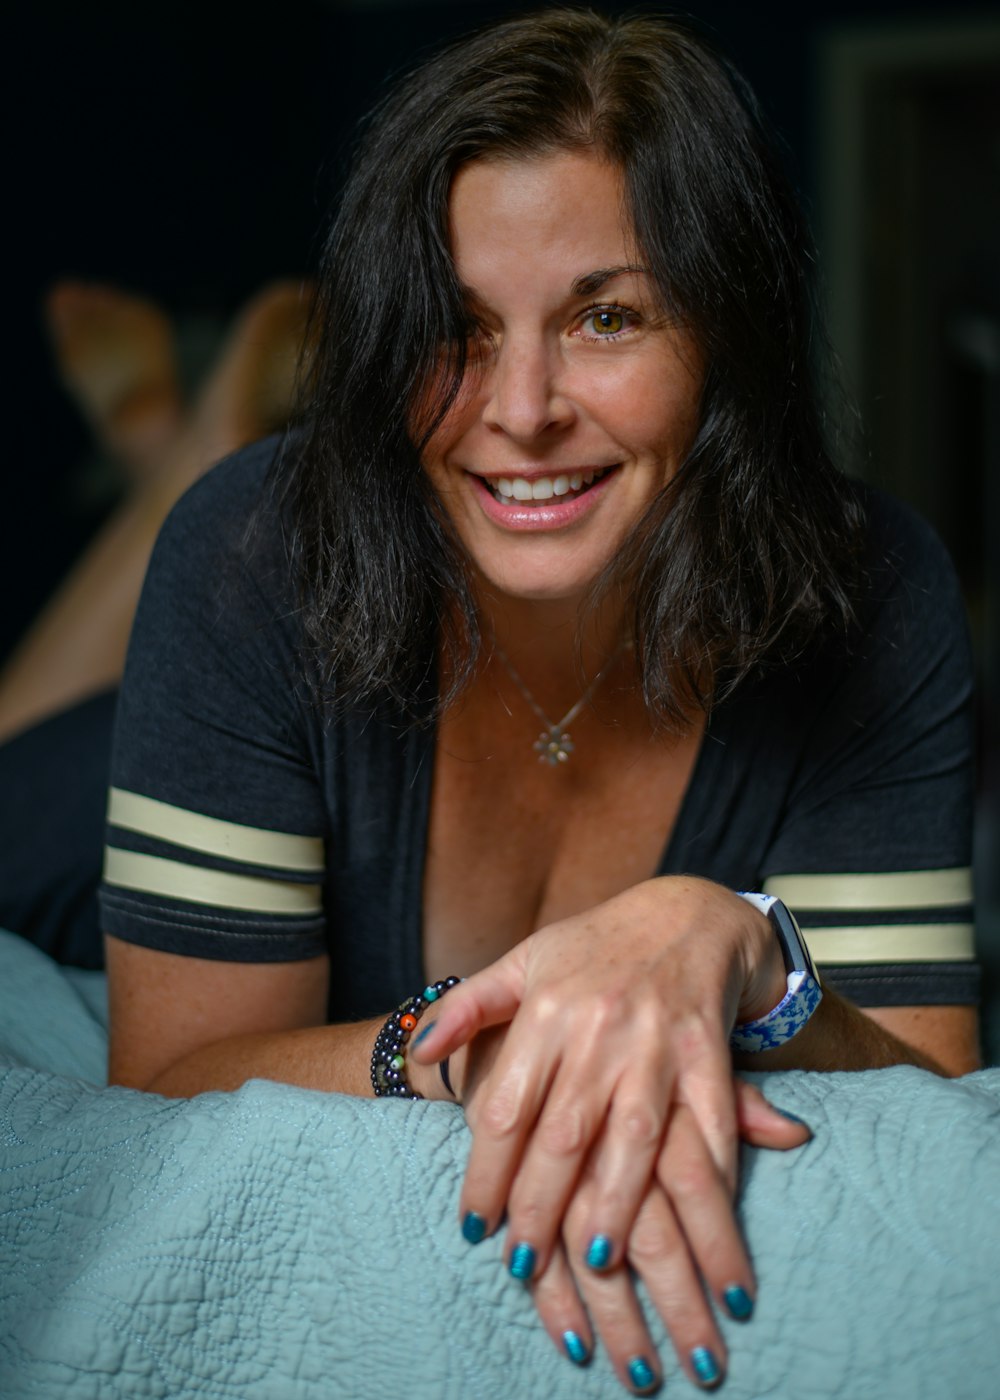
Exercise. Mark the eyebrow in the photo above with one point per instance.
(584, 286)
(592, 282)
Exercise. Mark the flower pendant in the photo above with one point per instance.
(553, 746)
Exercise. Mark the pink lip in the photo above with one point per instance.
(553, 515)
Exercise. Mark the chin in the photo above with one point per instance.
(570, 588)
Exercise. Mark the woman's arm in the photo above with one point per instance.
(840, 1036)
(181, 1026)
(616, 1069)
(623, 1010)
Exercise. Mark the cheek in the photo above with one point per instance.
(649, 415)
(453, 427)
(667, 408)
(673, 424)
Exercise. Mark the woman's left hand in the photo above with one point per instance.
(618, 1016)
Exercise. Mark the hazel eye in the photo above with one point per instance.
(607, 322)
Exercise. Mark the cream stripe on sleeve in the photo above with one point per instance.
(195, 884)
(901, 889)
(249, 844)
(891, 943)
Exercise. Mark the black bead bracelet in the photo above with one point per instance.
(388, 1060)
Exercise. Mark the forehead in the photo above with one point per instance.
(560, 210)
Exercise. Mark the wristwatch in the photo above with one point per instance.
(804, 992)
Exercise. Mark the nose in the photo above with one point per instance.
(524, 395)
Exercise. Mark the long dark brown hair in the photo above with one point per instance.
(751, 544)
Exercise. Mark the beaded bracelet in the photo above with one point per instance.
(388, 1061)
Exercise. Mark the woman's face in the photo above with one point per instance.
(580, 400)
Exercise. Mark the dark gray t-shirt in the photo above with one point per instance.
(246, 824)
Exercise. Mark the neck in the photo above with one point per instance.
(553, 639)
(554, 644)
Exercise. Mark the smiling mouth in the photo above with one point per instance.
(567, 486)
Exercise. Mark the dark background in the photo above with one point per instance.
(192, 154)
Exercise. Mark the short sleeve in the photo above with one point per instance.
(873, 852)
(216, 823)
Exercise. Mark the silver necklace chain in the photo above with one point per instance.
(554, 744)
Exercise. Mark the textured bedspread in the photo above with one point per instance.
(277, 1243)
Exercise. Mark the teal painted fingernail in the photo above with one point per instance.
(738, 1303)
(792, 1117)
(522, 1262)
(705, 1367)
(641, 1374)
(425, 1032)
(473, 1227)
(576, 1349)
(599, 1252)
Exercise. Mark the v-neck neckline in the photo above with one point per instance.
(690, 821)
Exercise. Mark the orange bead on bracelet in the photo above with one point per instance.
(388, 1067)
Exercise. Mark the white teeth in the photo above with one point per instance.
(543, 488)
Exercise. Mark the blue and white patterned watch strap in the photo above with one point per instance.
(787, 1018)
(804, 993)
(762, 902)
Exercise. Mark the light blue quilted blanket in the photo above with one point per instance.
(278, 1244)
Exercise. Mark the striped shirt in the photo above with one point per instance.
(246, 824)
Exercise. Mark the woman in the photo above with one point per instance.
(563, 464)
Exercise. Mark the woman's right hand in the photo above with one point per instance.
(684, 1239)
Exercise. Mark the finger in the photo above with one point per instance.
(703, 1209)
(534, 1118)
(568, 1122)
(622, 1165)
(619, 1325)
(763, 1125)
(658, 1251)
(611, 1299)
(488, 998)
(502, 1117)
(705, 1085)
(561, 1311)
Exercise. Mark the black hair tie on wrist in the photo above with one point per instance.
(388, 1060)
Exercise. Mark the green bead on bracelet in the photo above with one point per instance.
(388, 1067)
